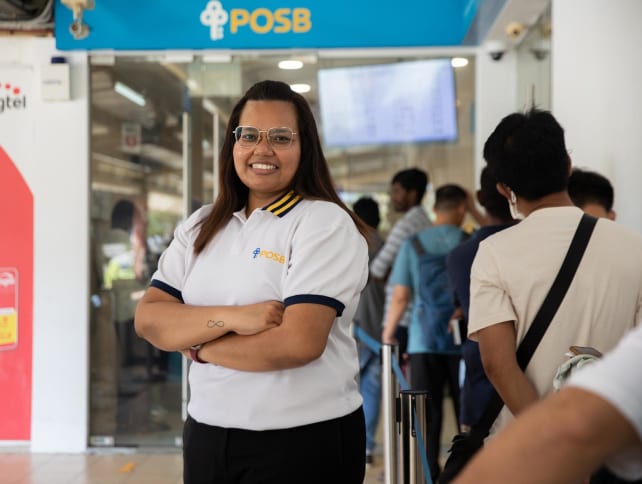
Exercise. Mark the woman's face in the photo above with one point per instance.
(267, 171)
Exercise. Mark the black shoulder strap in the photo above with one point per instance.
(557, 291)
(544, 316)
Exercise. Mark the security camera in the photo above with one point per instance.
(541, 49)
(495, 49)
(514, 30)
(78, 29)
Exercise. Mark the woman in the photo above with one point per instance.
(259, 289)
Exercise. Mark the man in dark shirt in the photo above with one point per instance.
(476, 390)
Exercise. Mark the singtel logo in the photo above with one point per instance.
(10, 98)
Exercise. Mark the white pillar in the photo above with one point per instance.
(495, 97)
(50, 146)
(596, 79)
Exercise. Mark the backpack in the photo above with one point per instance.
(434, 300)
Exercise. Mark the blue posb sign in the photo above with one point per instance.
(266, 24)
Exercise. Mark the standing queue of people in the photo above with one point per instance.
(254, 290)
(533, 199)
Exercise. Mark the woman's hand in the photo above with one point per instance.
(254, 318)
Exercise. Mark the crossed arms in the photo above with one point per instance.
(257, 337)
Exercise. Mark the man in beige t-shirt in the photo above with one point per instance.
(514, 269)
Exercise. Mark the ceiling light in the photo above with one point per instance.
(458, 62)
(126, 91)
(300, 88)
(290, 65)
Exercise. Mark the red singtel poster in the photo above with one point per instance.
(16, 301)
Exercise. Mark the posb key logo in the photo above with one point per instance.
(259, 21)
(11, 98)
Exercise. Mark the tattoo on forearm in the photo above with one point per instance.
(215, 324)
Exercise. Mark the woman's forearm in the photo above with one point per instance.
(170, 325)
(300, 339)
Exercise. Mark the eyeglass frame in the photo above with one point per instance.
(260, 137)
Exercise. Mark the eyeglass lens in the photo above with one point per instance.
(248, 136)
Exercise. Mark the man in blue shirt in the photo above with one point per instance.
(434, 357)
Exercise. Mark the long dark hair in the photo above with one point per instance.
(312, 179)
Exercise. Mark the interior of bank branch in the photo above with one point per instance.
(156, 126)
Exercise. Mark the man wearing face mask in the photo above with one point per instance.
(514, 269)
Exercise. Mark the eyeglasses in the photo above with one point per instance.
(278, 138)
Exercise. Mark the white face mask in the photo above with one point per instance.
(512, 206)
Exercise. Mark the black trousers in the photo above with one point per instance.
(431, 372)
(328, 452)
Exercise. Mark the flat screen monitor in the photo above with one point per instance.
(404, 102)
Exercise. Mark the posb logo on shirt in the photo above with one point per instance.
(260, 21)
(268, 254)
(10, 98)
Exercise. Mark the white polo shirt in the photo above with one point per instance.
(295, 251)
(616, 378)
(514, 269)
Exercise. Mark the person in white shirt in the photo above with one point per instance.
(254, 289)
(514, 269)
(407, 190)
(595, 419)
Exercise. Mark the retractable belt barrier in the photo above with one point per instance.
(405, 458)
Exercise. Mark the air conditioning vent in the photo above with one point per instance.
(26, 14)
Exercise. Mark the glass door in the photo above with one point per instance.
(151, 166)
(156, 127)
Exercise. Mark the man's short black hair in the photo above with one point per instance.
(412, 179)
(450, 196)
(528, 153)
(590, 187)
(493, 202)
(367, 209)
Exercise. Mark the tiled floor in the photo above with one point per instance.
(91, 468)
(106, 468)
(122, 466)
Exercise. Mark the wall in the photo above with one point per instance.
(508, 85)
(496, 97)
(596, 82)
(51, 150)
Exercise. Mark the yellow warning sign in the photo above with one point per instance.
(8, 328)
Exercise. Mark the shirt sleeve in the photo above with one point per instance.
(616, 378)
(489, 300)
(329, 260)
(401, 271)
(170, 274)
(386, 256)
